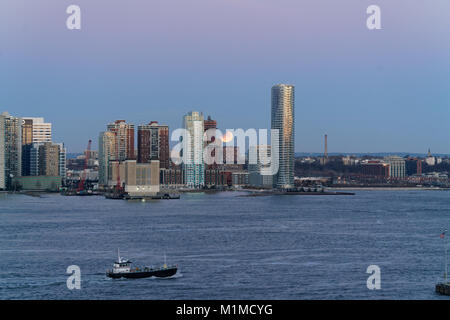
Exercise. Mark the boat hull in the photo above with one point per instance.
(160, 273)
(443, 288)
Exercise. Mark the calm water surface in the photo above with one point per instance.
(227, 246)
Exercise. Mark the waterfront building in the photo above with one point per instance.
(213, 177)
(413, 166)
(46, 159)
(193, 164)
(239, 179)
(10, 149)
(171, 177)
(49, 159)
(26, 158)
(38, 183)
(62, 160)
(36, 133)
(283, 120)
(153, 144)
(210, 124)
(124, 139)
(396, 166)
(375, 168)
(138, 179)
(33, 163)
(106, 153)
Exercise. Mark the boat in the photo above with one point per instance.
(122, 269)
(444, 287)
(115, 195)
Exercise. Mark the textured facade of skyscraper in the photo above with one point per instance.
(153, 143)
(46, 159)
(62, 160)
(49, 159)
(283, 120)
(124, 139)
(27, 131)
(194, 167)
(106, 153)
(34, 130)
(10, 149)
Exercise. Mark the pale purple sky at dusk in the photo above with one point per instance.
(370, 91)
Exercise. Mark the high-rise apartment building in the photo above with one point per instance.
(62, 160)
(33, 163)
(49, 159)
(124, 139)
(194, 167)
(210, 124)
(283, 120)
(34, 130)
(153, 143)
(106, 153)
(40, 130)
(27, 131)
(10, 149)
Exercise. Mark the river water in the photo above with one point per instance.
(226, 246)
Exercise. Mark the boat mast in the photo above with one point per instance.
(118, 255)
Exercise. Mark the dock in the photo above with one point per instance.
(159, 196)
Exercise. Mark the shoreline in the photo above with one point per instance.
(262, 192)
(390, 188)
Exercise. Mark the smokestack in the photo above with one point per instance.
(326, 147)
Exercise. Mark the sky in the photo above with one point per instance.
(382, 90)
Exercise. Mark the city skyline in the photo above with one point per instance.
(379, 91)
(319, 151)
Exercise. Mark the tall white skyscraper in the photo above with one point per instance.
(62, 160)
(106, 153)
(194, 167)
(283, 119)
